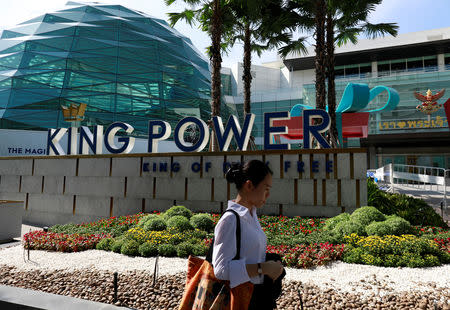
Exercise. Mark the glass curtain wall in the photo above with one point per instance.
(123, 64)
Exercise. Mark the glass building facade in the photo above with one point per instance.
(123, 64)
(405, 119)
(404, 135)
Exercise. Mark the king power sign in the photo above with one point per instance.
(159, 130)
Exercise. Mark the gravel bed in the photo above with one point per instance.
(339, 285)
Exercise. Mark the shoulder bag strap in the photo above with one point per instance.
(238, 239)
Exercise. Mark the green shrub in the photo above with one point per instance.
(431, 260)
(199, 234)
(353, 255)
(394, 251)
(378, 229)
(199, 249)
(147, 249)
(178, 210)
(366, 215)
(378, 198)
(145, 219)
(168, 250)
(398, 226)
(346, 228)
(179, 223)
(414, 210)
(130, 248)
(117, 245)
(444, 257)
(331, 223)
(393, 225)
(105, 244)
(184, 249)
(202, 221)
(155, 224)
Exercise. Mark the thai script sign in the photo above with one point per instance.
(437, 122)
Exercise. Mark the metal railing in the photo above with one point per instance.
(418, 177)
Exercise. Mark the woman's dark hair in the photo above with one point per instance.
(253, 170)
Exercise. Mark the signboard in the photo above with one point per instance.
(159, 130)
(34, 143)
(437, 122)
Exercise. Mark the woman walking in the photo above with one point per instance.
(253, 181)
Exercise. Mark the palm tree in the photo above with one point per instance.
(254, 27)
(340, 22)
(210, 15)
(344, 22)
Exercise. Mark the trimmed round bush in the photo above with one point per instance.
(117, 245)
(178, 210)
(168, 250)
(202, 221)
(184, 249)
(199, 234)
(398, 226)
(366, 215)
(179, 222)
(147, 249)
(130, 248)
(155, 224)
(346, 228)
(331, 223)
(378, 229)
(199, 250)
(105, 244)
(145, 219)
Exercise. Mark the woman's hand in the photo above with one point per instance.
(273, 269)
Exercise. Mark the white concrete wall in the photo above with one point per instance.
(86, 188)
(264, 78)
(301, 77)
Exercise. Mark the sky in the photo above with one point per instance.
(410, 15)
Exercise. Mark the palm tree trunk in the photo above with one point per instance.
(320, 64)
(216, 61)
(333, 134)
(247, 76)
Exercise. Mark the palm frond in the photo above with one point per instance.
(347, 35)
(381, 29)
(186, 15)
(296, 46)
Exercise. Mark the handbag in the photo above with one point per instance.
(203, 291)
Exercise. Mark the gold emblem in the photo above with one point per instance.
(429, 104)
(73, 112)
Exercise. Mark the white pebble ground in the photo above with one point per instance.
(338, 276)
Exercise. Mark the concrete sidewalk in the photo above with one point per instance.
(19, 298)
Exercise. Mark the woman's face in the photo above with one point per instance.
(259, 194)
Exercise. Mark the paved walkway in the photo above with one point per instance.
(19, 298)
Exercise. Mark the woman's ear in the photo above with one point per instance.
(248, 185)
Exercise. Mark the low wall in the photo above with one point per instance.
(10, 219)
(82, 188)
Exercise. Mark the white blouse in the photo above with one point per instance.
(253, 246)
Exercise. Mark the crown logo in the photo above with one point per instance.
(73, 112)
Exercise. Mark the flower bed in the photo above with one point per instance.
(40, 240)
(304, 256)
(115, 226)
(302, 242)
